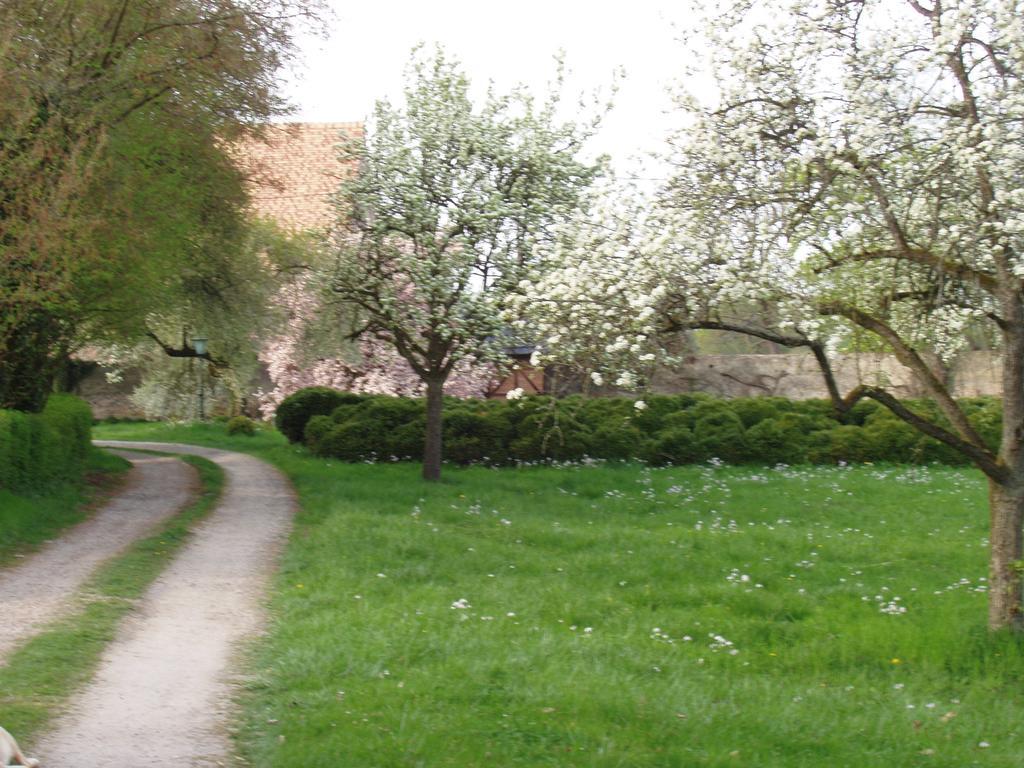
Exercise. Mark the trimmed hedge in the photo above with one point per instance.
(39, 449)
(297, 409)
(670, 429)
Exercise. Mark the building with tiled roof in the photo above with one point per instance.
(294, 170)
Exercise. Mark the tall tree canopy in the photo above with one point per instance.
(862, 171)
(440, 221)
(105, 106)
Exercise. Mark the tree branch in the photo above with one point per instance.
(816, 347)
(912, 360)
(186, 351)
(962, 272)
(929, 12)
(982, 457)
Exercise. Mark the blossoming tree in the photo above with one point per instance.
(862, 172)
(442, 217)
(305, 353)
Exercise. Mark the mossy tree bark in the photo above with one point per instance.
(432, 451)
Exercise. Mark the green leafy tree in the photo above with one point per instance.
(443, 215)
(96, 94)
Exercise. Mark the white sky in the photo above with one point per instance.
(510, 42)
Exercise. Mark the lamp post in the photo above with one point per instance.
(199, 344)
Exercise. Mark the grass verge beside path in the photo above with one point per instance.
(626, 616)
(40, 676)
(26, 521)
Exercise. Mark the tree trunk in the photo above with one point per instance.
(435, 416)
(1006, 498)
(1006, 508)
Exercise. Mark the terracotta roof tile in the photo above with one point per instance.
(294, 169)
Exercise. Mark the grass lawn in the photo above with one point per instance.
(625, 616)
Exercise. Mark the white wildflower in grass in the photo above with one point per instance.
(640, 405)
(892, 608)
(461, 604)
(719, 643)
(660, 636)
(736, 577)
(889, 605)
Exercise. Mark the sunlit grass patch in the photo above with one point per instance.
(626, 616)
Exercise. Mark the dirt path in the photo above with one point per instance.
(162, 692)
(42, 587)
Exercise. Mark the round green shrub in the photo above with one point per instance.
(651, 419)
(718, 433)
(391, 412)
(316, 428)
(986, 415)
(519, 411)
(379, 427)
(346, 411)
(674, 446)
(862, 411)
(777, 441)
(347, 442)
(671, 430)
(620, 443)
(543, 438)
(241, 425)
(407, 441)
(931, 450)
(753, 410)
(473, 436)
(676, 419)
(822, 409)
(298, 408)
(605, 412)
(888, 438)
(845, 443)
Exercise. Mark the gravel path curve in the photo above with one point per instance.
(161, 696)
(42, 587)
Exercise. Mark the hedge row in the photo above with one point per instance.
(38, 449)
(675, 429)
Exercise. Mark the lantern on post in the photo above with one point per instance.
(199, 344)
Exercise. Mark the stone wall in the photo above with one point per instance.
(798, 377)
(110, 400)
(795, 376)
